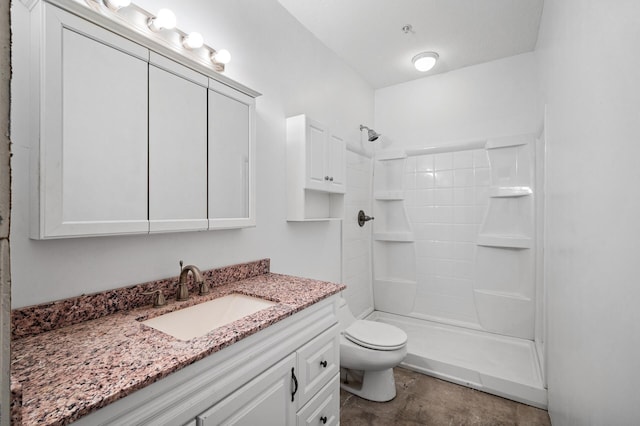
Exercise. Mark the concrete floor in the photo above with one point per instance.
(427, 401)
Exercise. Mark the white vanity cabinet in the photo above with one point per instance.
(286, 374)
(93, 131)
(273, 398)
(129, 136)
(316, 170)
(177, 147)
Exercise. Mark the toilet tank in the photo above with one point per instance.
(345, 317)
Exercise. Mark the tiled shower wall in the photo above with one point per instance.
(356, 253)
(446, 199)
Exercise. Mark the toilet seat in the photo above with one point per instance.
(376, 335)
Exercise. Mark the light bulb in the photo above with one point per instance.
(117, 4)
(193, 41)
(222, 56)
(165, 19)
(425, 61)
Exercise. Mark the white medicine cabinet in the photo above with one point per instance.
(130, 141)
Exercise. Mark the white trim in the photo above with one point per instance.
(29, 4)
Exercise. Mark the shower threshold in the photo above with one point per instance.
(499, 365)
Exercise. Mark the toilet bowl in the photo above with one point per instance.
(369, 350)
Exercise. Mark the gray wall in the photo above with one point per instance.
(5, 197)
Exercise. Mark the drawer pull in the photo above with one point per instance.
(323, 419)
(323, 363)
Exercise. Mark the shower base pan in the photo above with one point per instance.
(500, 365)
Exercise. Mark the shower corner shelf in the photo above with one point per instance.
(508, 141)
(509, 191)
(504, 294)
(389, 195)
(398, 237)
(391, 155)
(504, 241)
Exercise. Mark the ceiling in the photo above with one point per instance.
(368, 35)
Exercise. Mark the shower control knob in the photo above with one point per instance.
(363, 218)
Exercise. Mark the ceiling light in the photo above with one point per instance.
(425, 61)
(117, 4)
(165, 19)
(193, 41)
(222, 56)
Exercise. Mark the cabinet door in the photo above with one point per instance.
(266, 400)
(177, 147)
(336, 162)
(231, 158)
(93, 136)
(316, 156)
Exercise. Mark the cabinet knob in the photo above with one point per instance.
(323, 364)
(326, 178)
(331, 179)
(323, 419)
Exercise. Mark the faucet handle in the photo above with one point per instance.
(204, 288)
(182, 293)
(158, 299)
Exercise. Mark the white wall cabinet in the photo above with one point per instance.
(316, 171)
(93, 146)
(129, 141)
(231, 121)
(324, 154)
(251, 382)
(177, 147)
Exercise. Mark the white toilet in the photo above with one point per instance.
(369, 350)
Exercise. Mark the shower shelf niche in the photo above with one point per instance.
(509, 191)
(389, 195)
(504, 241)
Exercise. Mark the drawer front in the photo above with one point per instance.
(318, 362)
(324, 408)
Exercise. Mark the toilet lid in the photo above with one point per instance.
(376, 335)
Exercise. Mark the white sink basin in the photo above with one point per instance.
(198, 320)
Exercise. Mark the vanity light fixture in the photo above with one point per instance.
(192, 41)
(165, 19)
(221, 56)
(116, 5)
(425, 61)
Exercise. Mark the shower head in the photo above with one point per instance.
(372, 135)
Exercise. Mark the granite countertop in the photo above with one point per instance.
(66, 373)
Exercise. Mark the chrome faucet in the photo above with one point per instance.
(183, 290)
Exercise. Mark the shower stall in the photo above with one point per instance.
(456, 259)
